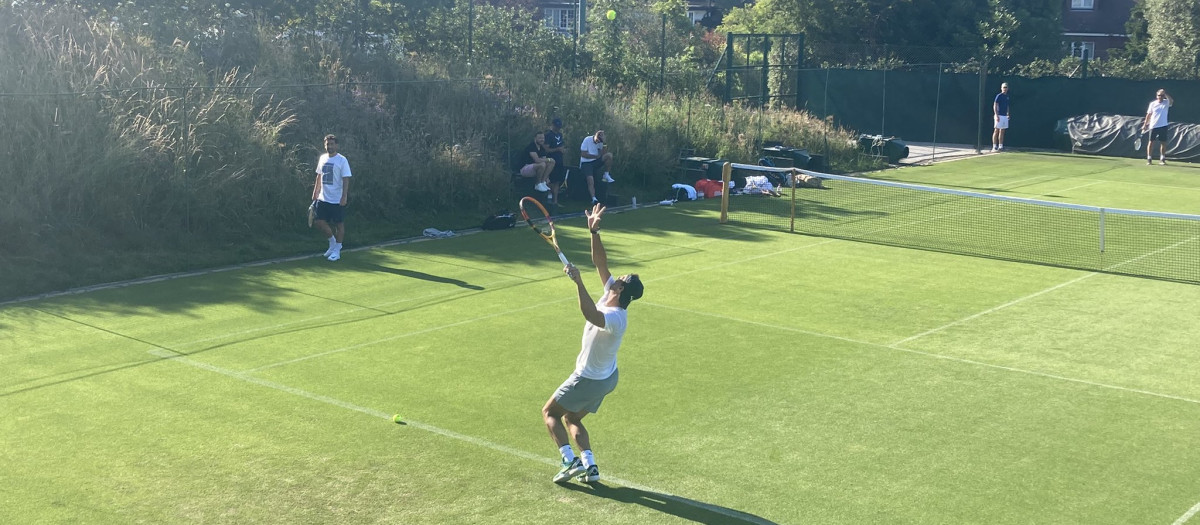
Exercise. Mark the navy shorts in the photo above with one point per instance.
(1159, 133)
(329, 212)
(559, 174)
(588, 169)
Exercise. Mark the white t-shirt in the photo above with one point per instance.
(332, 170)
(1158, 113)
(598, 358)
(591, 146)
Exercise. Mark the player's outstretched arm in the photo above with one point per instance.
(599, 256)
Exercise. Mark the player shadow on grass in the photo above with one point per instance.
(677, 506)
(419, 275)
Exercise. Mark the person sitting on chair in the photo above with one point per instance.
(593, 154)
(536, 162)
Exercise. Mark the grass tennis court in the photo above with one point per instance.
(766, 378)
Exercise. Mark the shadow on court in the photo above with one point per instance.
(677, 506)
(419, 275)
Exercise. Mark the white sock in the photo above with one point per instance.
(567, 454)
(332, 241)
(588, 458)
(337, 246)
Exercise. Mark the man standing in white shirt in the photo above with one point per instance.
(330, 192)
(1156, 123)
(593, 155)
(595, 374)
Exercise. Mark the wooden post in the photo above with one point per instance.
(726, 175)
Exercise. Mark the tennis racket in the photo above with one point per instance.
(312, 213)
(1137, 143)
(533, 210)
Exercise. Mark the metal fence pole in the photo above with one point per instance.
(728, 65)
(765, 97)
(662, 63)
(937, 104)
(983, 67)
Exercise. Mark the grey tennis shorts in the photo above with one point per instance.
(580, 394)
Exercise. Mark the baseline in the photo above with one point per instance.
(172, 356)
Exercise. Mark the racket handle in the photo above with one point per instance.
(563, 258)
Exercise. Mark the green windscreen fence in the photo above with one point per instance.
(933, 103)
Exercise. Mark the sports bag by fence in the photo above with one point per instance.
(503, 219)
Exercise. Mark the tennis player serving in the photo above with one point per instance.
(595, 374)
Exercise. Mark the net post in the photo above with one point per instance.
(792, 216)
(1102, 231)
(726, 174)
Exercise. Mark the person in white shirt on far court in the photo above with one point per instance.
(1156, 124)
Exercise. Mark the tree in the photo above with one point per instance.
(1174, 43)
(1008, 28)
(1139, 34)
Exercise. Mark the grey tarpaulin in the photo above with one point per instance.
(1117, 136)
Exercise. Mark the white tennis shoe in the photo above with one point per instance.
(591, 475)
(569, 470)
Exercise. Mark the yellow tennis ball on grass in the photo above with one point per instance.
(611, 14)
(397, 418)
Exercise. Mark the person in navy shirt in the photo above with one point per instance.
(1000, 116)
(556, 149)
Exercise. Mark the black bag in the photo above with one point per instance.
(503, 219)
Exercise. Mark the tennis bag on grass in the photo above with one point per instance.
(502, 220)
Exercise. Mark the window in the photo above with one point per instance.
(1087, 5)
(1078, 49)
(560, 19)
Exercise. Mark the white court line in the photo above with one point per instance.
(1187, 515)
(506, 312)
(390, 303)
(992, 310)
(1052, 288)
(930, 354)
(172, 356)
(400, 336)
(1077, 187)
(1160, 186)
(334, 314)
(1012, 185)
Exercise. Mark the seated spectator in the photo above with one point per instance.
(593, 155)
(535, 162)
(556, 149)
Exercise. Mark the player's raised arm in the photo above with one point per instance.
(599, 256)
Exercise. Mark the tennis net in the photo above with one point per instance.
(1129, 242)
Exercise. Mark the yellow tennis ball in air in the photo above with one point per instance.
(397, 418)
(611, 14)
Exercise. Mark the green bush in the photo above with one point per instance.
(139, 158)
